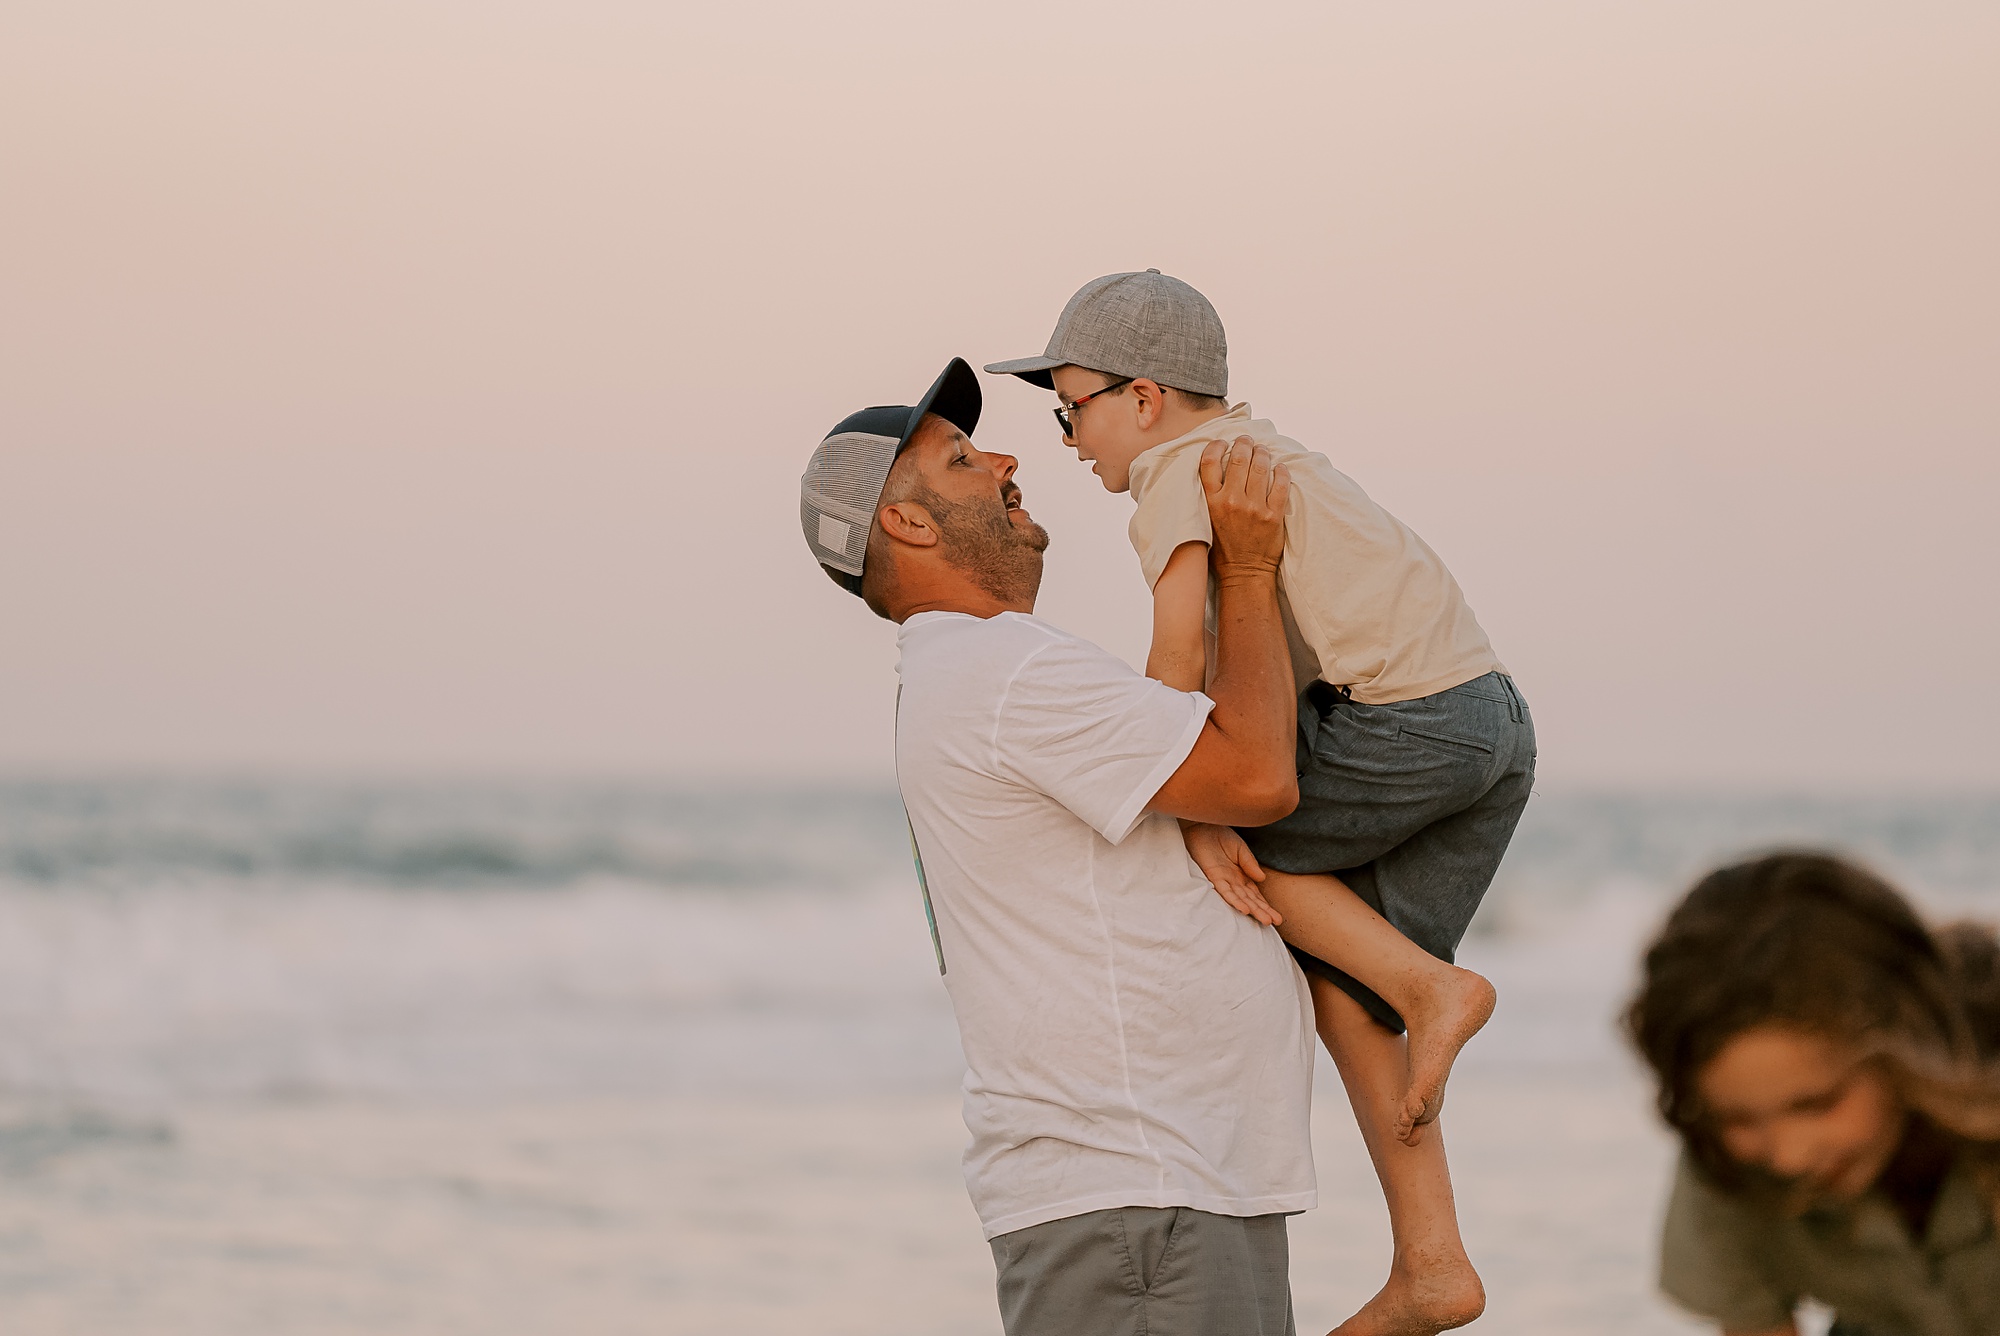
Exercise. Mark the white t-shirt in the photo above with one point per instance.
(1130, 1040)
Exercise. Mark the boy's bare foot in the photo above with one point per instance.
(1420, 1299)
(1447, 1013)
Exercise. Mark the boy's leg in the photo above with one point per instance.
(1442, 1005)
(1432, 1286)
(1412, 806)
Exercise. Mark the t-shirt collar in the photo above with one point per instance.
(1236, 418)
(918, 621)
(1209, 430)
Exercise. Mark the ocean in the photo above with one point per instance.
(323, 1057)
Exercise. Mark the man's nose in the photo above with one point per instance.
(1003, 466)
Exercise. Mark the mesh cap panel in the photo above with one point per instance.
(839, 493)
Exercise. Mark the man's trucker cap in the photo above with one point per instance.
(842, 486)
(1135, 325)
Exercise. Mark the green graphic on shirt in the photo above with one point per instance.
(924, 885)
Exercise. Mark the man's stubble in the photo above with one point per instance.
(1003, 557)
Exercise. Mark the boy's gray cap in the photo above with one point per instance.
(843, 482)
(1146, 324)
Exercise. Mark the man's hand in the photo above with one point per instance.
(1247, 491)
(1231, 868)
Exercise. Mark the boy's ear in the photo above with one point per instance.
(1149, 401)
(908, 522)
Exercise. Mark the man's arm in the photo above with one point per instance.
(1241, 771)
(1179, 656)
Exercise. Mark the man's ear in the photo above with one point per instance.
(908, 522)
(1149, 400)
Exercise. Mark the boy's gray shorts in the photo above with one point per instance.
(1411, 804)
(1146, 1271)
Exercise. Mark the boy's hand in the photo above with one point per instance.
(1247, 491)
(1231, 868)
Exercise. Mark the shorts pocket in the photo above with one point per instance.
(1446, 743)
(1161, 1269)
(1355, 730)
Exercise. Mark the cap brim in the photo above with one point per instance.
(1034, 370)
(954, 396)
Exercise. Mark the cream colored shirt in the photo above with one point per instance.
(1367, 604)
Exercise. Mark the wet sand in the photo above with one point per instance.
(697, 1216)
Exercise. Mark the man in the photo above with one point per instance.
(1139, 1055)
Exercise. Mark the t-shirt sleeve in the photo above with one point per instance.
(1080, 726)
(1710, 1262)
(1172, 510)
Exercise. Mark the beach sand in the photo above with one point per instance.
(697, 1215)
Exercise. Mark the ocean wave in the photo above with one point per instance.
(60, 834)
(162, 940)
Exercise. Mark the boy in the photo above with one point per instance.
(1415, 751)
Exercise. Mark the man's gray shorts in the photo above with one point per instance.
(1146, 1271)
(1411, 804)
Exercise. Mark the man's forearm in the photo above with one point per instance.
(1256, 703)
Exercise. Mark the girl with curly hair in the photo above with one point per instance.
(1827, 1060)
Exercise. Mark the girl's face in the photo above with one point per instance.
(1804, 1109)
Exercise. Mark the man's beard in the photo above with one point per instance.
(1003, 557)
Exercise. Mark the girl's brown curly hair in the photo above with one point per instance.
(1815, 942)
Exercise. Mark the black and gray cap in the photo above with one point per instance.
(842, 486)
(1146, 324)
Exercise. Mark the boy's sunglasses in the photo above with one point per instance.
(1062, 414)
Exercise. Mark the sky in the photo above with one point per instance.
(422, 388)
